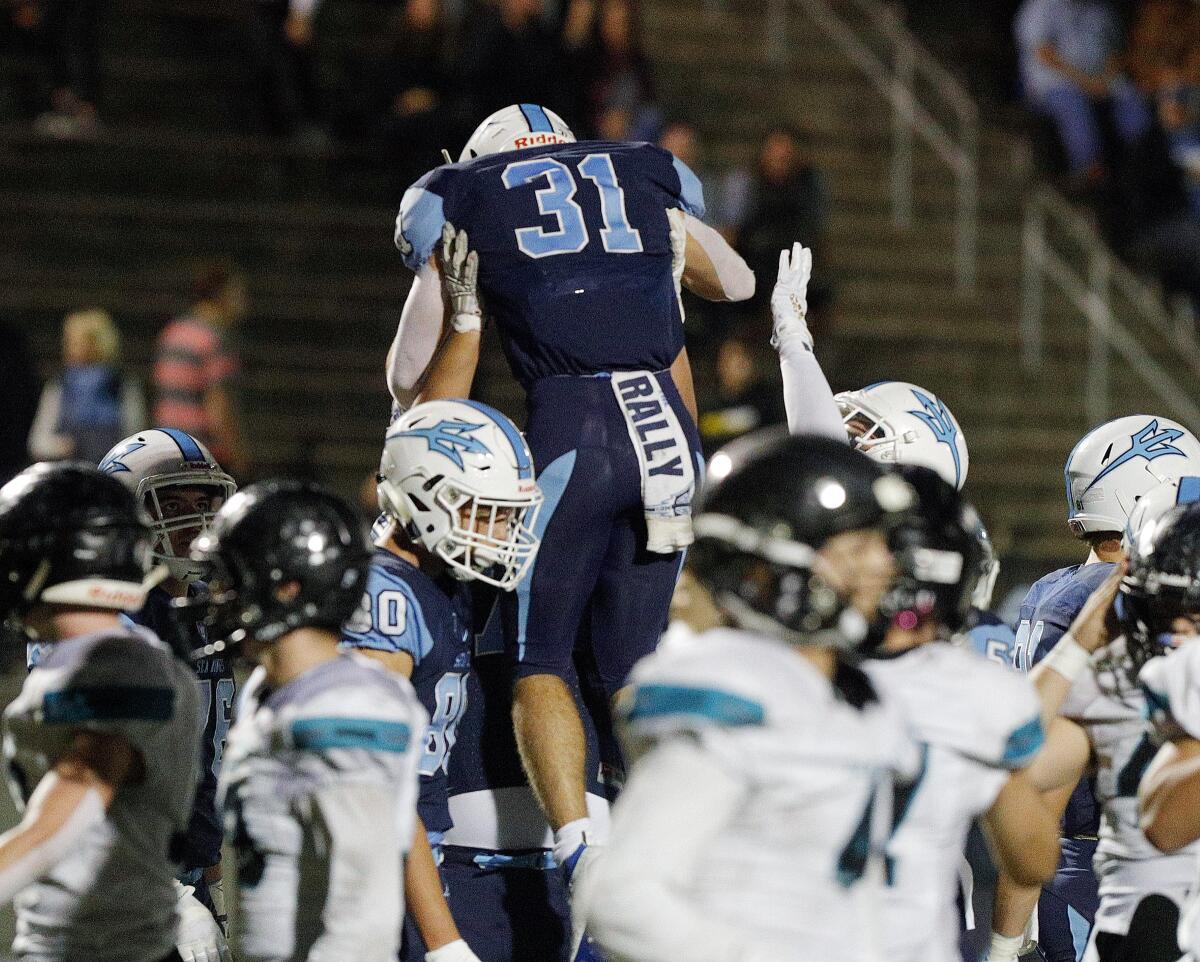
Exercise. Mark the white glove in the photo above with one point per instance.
(789, 304)
(460, 276)
(456, 951)
(199, 938)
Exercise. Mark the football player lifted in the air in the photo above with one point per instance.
(578, 252)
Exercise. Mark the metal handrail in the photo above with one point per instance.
(896, 82)
(1091, 295)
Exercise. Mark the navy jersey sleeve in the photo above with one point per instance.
(1058, 611)
(389, 618)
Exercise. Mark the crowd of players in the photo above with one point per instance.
(815, 742)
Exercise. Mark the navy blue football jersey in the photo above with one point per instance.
(403, 609)
(1047, 611)
(574, 250)
(992, 638)
(201, 845)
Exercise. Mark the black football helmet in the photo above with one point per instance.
(1162, 583)
(271, 534)
(70, 535)
(938, 554)
(771, 501)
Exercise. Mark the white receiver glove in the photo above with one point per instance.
(456, 951)
(199, 937)
(460, 275)
(789, 303)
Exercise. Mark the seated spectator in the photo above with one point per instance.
(91, 405)
(745, 398)
(1070, 52)
(417, 88)
(1164, 46)
(196, 368)
(280, 46)
(787, 200)
(511, 55)
(71, 29)
(611, 70)
(724, 192)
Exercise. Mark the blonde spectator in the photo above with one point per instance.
(92, 404)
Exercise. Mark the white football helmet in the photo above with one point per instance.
(514, 128)
(458, 478)
(1158, 501)
(895, 422)
(1117, 463)
(149, 462)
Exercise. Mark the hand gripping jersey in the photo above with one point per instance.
(1171, 684)
(978, 722)
(1112, 709)
(114, 897)
(791, 872)
(403, 609)
(574, 250)
(319, 789)
(201, 845)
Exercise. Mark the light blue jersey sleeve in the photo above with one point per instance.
(419, 223)
(389, 618)
(691, 191)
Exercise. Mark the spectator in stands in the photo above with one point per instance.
(745, 399)
(196, 368)
(512, 55)
(610, 69)
(23, 92)
(725, 193)
(280, 41)
(787, 196)
(19, 391)
(1070, 52)
(1164, 46)
(72, 30)
(418, 89)
(91, 405)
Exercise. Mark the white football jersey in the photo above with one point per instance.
(977, 722)
(330, 756)
(1111, 707)
(113, 898)
(794, 868)
(1172, 687)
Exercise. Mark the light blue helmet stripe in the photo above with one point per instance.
(524, 464)
(186, 443)
(536, 117)
(1189, 491)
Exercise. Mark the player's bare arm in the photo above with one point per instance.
(1167, 797)
(711, 269)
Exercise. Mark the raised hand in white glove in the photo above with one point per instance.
(456, 951)
(460, 278)
(199, 937)
(789, 303)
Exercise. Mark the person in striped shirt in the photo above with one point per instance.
(196, 368)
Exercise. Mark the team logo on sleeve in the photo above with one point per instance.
(1150, 442)
(938, 419)
(451, 439)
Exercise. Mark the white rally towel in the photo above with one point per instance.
(664, 457)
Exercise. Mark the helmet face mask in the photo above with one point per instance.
(458, 478)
